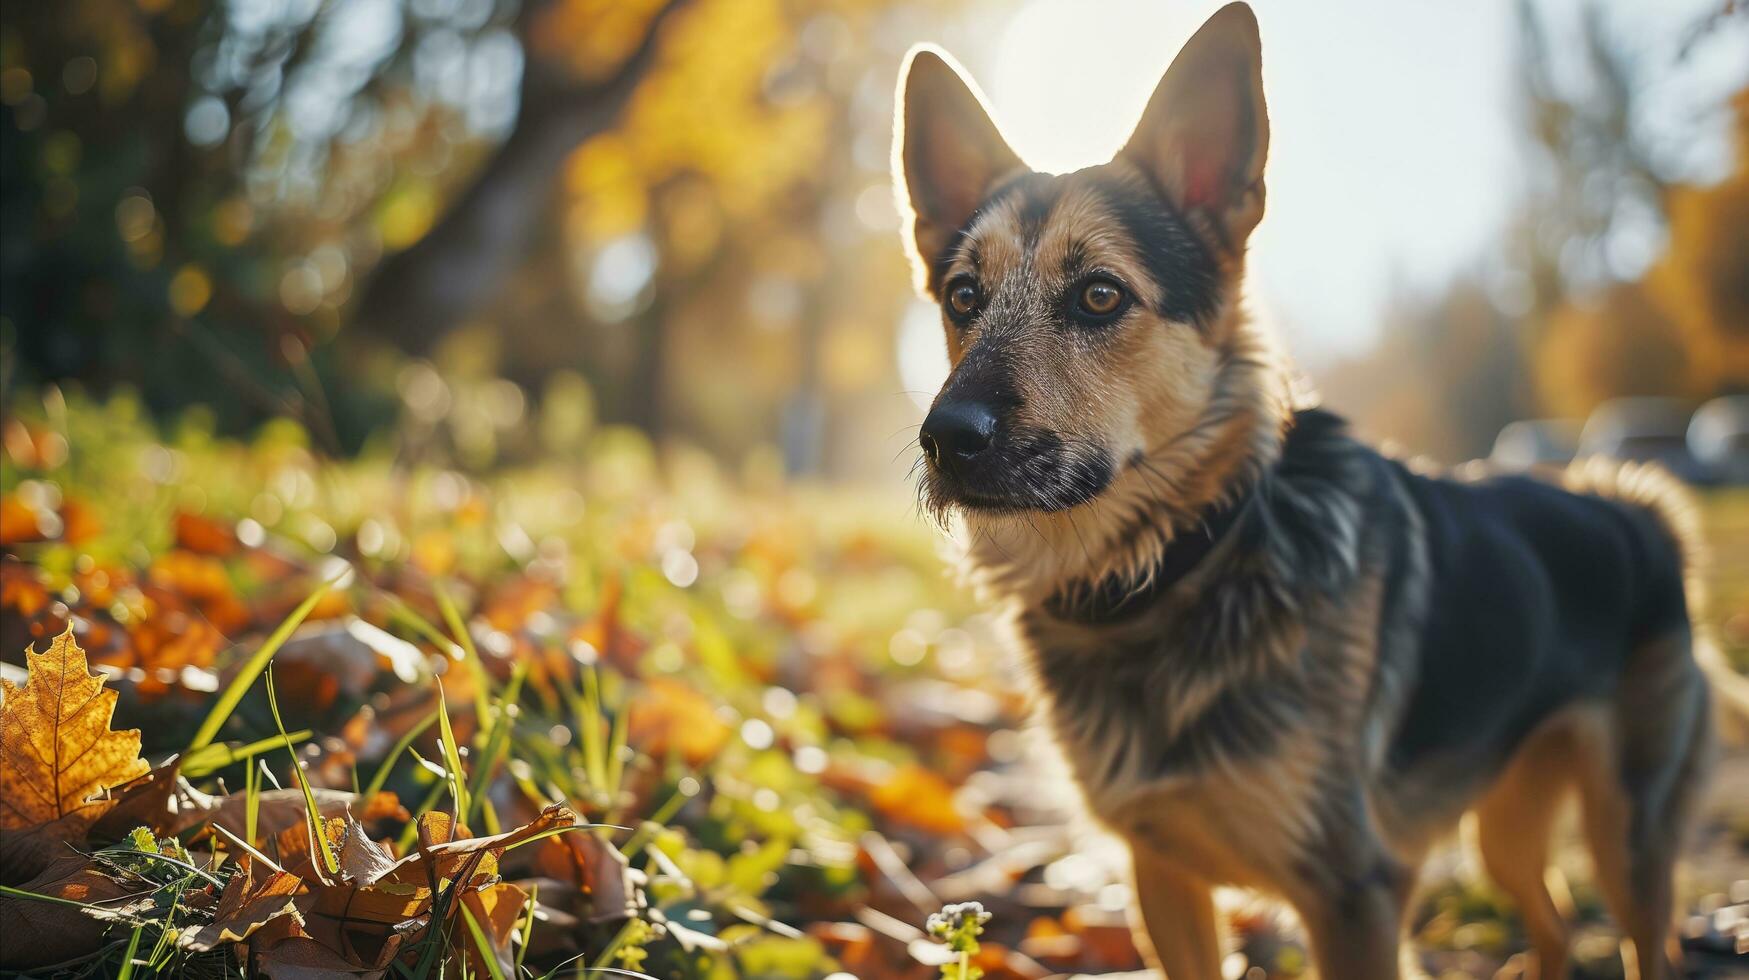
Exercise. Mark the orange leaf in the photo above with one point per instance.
(57, 751)
(203, 535)
(916, 796)
(18, 522)
(670, 715)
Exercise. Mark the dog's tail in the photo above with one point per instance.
(1653, 489)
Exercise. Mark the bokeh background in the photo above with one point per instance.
(432, 216)
(592, 317)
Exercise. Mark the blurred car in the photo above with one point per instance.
(1718, 439)
(1649, 430)
(1535, 442)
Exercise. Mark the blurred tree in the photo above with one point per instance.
(1682, 329)
(1596, 174)
(419, 293)
(1613, 343)
(1448, 373)
(1703, 277)
(1619, 275)
(200, 197)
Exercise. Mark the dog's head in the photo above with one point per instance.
(1085, 313)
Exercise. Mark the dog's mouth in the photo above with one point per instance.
(1017, 473)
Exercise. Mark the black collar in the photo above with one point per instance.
(1119, 597)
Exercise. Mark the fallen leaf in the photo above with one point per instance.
(160, 800)
(920, 798)
(203, 535)
(669, 716)
(57, 752)
(279, 810)
(250, 901)
(60, 932)
(303, 958)
(18, 522)
(596, 872)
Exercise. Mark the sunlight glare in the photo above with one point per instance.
(1067, 88)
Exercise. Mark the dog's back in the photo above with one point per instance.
(1538, 597)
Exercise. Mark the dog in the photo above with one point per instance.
(1273, 657)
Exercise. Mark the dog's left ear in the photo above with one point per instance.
(947, 153)
(1203, 138)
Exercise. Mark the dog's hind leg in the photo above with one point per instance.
(1513, 825)
(1176, 931)
(1638, 786)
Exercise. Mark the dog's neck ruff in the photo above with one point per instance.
(1118, 597)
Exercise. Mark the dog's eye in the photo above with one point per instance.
(1101, 298)
(962, 299)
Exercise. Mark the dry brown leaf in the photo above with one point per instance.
(161, 800)
(303, 958)
(250, 901)
(597, 873)
(57, 752)
(59, 932)
(279, 810)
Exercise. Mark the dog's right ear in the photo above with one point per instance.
(946, 154)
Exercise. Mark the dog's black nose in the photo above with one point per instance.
(957, 430)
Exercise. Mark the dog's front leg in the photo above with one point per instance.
(1356, 930)
(1174, 920)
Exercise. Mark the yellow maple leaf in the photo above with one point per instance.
(57, 752)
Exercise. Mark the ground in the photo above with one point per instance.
(810, 735)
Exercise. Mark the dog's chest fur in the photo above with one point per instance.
(1220, 723)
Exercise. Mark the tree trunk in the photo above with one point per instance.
(418, 295)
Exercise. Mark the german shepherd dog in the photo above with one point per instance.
(1273, 657)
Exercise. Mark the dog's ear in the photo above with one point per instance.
(1203, 138)
(946, 153)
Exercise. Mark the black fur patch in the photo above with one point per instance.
(1178, 262)
(1539, 598)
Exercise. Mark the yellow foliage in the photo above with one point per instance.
(592, 36)
(190, 290)
(1618, 344)
(704, 111)
(407, 214)
(1701, 278)
(604, 175)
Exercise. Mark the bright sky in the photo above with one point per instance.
(1394, 153)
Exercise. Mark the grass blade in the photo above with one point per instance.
(528, 925)
(233, 695)
(218, 755)
(127, 961)
(480, 940)
(251, 801)
(400, 611)
(318, 829)
(452, 758)
(482, 681)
